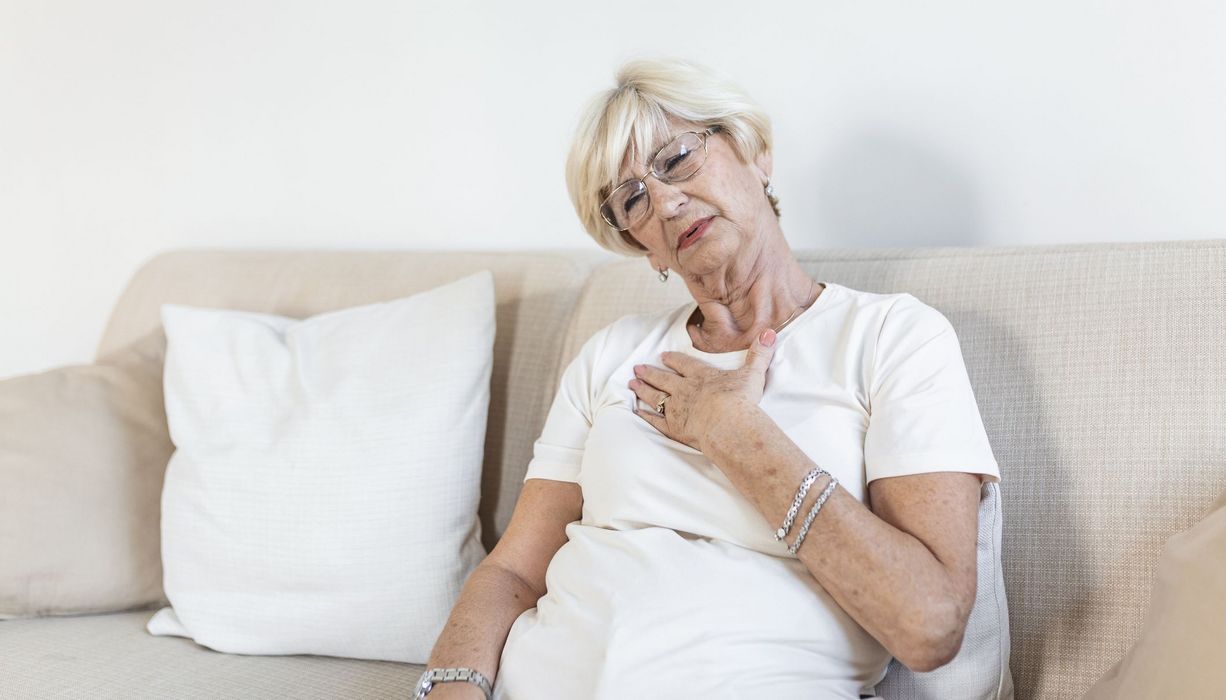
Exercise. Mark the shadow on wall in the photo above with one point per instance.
(879, 189)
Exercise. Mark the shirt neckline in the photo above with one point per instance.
(683, 340)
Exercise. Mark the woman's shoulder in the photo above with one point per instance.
(896, 308)
(863, 299)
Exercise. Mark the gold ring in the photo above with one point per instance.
(660, 404)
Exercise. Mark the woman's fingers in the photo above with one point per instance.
(646, 392)
(662, 379)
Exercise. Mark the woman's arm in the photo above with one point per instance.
(506, 583)
(905, 570)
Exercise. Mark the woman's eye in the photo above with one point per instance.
(672, 163)
(632, 202)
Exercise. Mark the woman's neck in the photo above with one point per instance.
(768, 296)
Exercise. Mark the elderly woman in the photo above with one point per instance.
(764, 493)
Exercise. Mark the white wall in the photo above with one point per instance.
(136, 126)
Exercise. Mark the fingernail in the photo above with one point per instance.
(767, 338)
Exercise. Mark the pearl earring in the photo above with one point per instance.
(770, 189)
(663, 274)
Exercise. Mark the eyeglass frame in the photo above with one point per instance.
(651, 171)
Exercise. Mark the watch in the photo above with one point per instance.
(435, 676)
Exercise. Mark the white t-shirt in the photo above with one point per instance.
(672, 584)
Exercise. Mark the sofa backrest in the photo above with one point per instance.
(1100, 372)
(535, 294)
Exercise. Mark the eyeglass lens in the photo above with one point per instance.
(677, 161)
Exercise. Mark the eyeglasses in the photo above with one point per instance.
(628, 204)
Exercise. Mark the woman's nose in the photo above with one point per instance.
(667, 199)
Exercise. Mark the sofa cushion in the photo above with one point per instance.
(112, 656)
(82, 454)
(980, 671)
(322, 497)
(1181, 649)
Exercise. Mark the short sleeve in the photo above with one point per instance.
(558, 453)
(923, 416)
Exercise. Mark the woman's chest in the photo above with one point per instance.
(634, 476)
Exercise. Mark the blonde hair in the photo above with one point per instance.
(633, 117)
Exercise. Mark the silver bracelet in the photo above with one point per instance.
(821, 500)
(435, 676)
(800, 497)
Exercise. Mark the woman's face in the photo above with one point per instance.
(724, 204)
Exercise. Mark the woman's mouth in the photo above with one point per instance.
(694, 233)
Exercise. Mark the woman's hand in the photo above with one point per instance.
(699, 394)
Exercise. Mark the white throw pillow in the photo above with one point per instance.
(322, 498)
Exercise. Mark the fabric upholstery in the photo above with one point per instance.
(112, 656)
(82, 453)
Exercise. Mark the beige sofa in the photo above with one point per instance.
(1099, 371)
